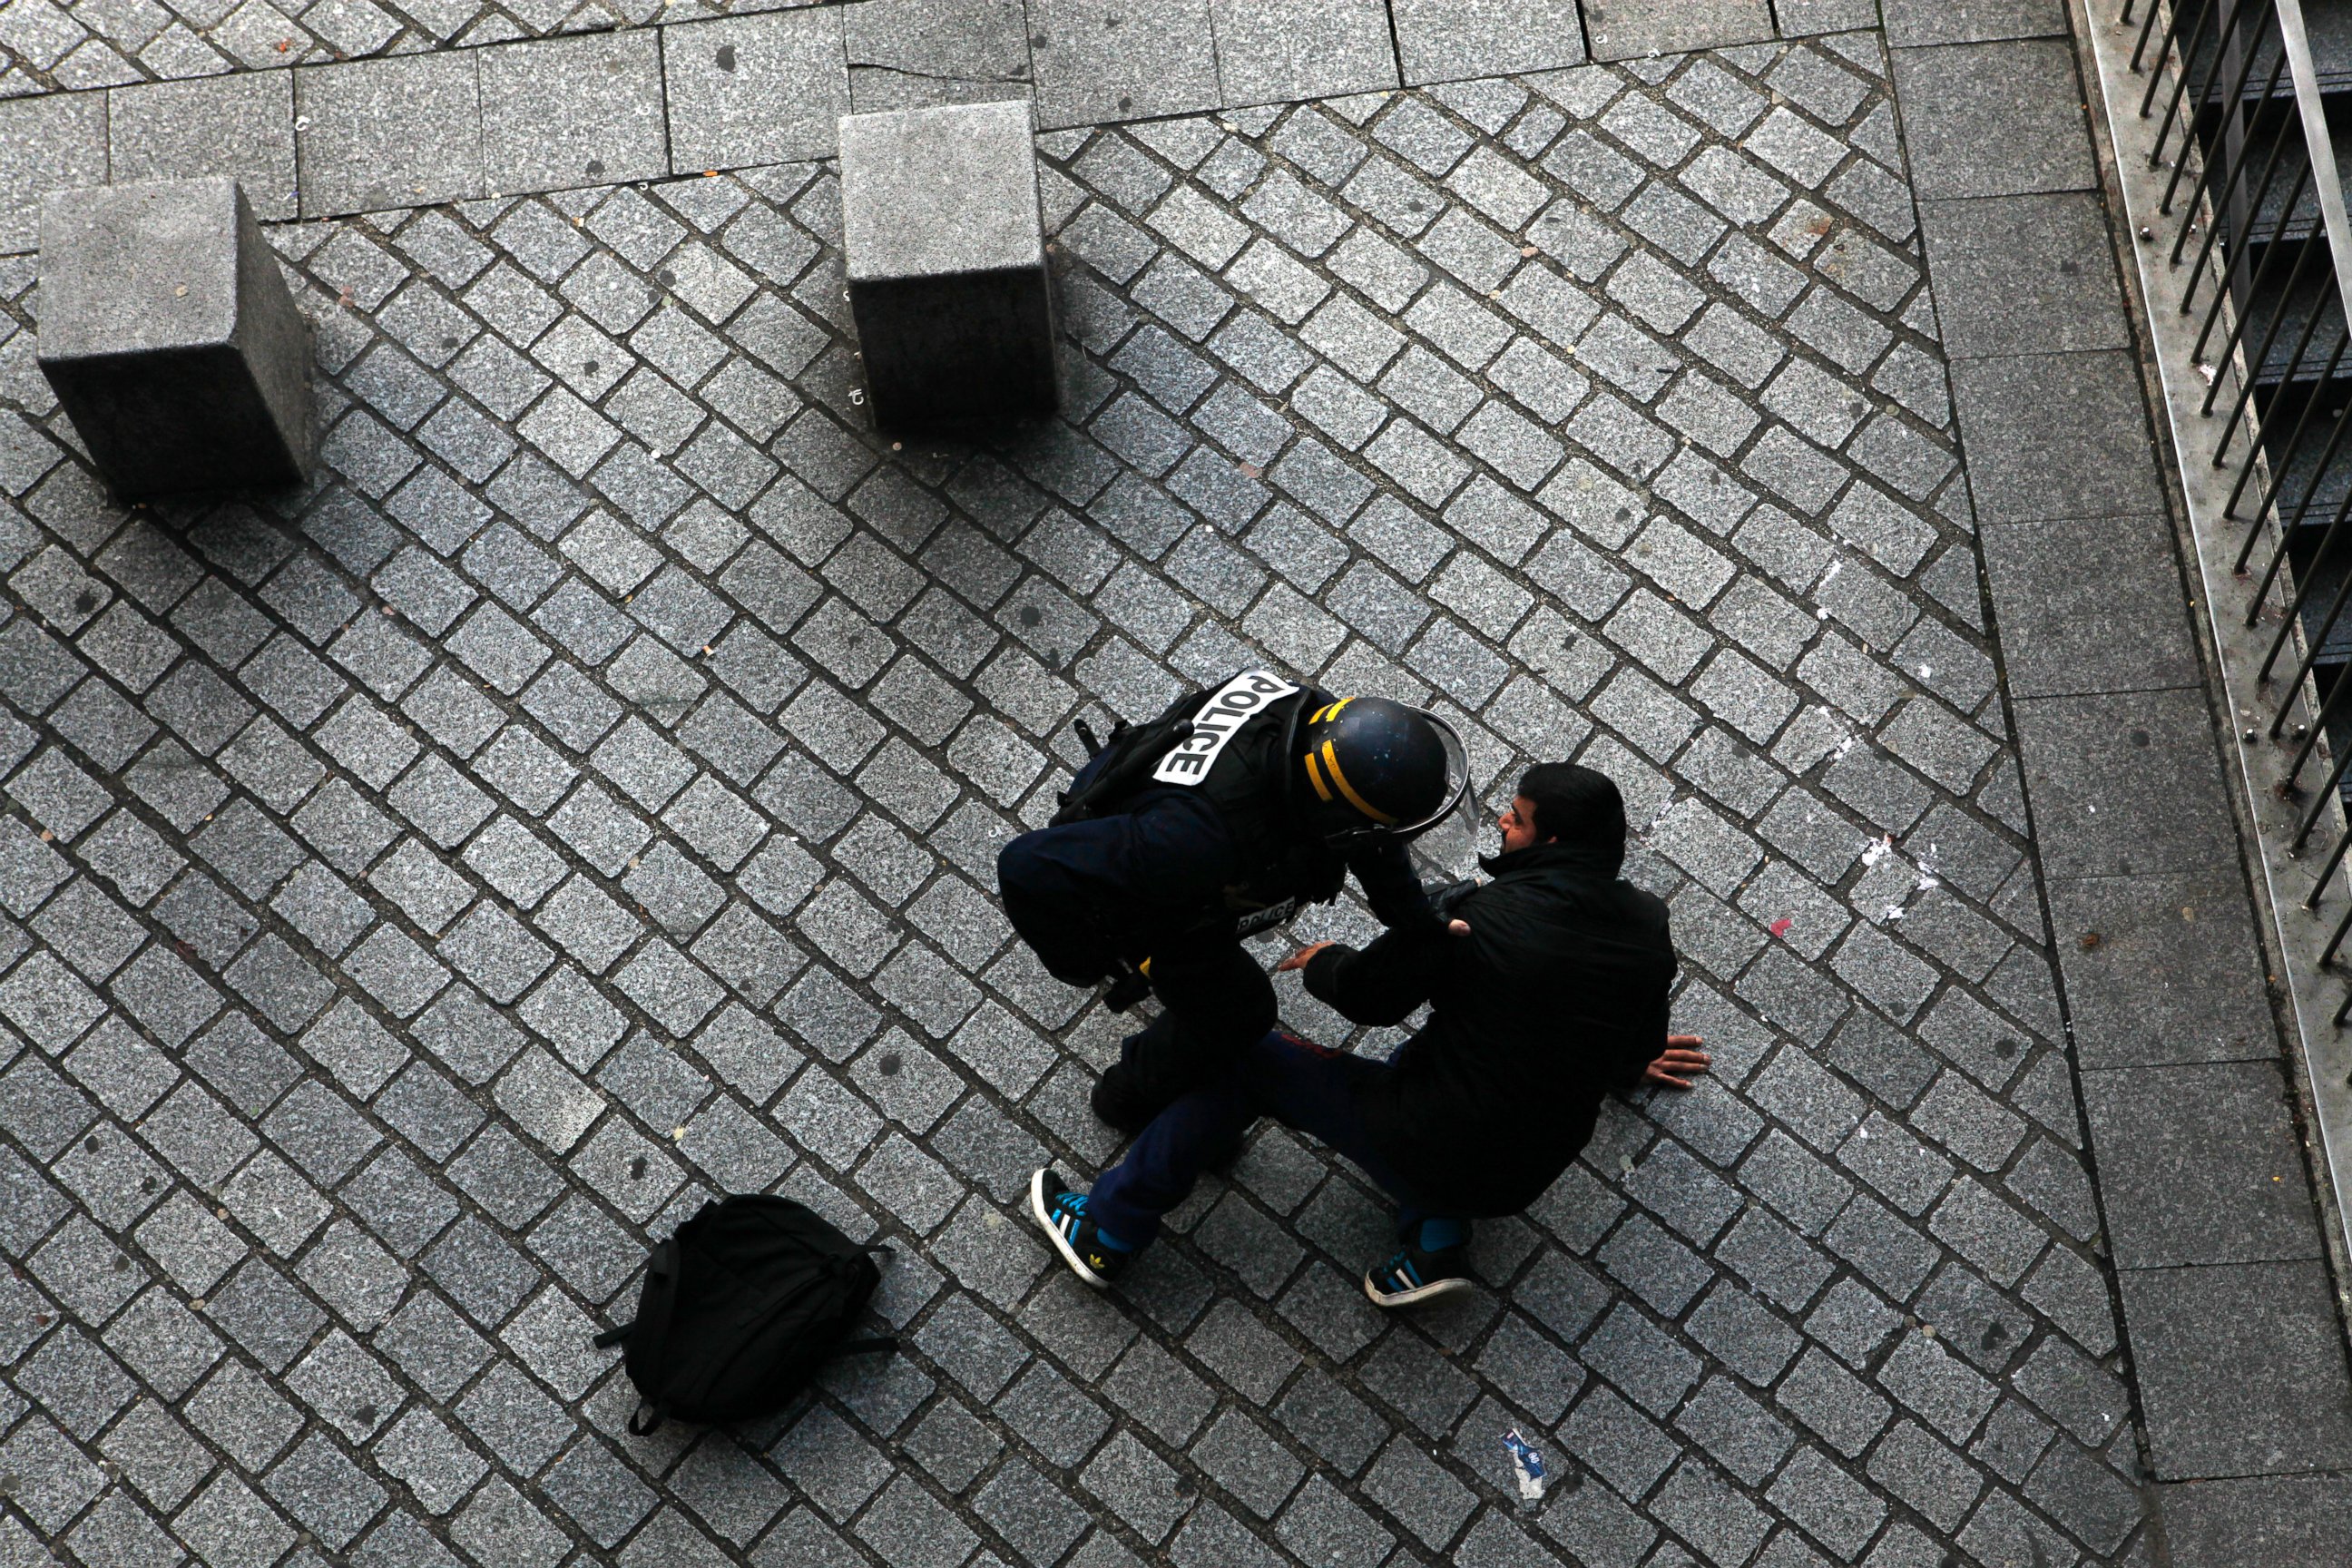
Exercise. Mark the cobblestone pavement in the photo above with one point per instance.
(425, 892)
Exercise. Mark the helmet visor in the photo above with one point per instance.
(1457, 785)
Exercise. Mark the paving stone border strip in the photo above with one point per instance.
(903, 52)
(2205, 1179)
(382, 118)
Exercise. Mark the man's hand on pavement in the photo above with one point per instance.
(1678, 1064)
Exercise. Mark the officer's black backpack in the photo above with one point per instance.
(739, 1309)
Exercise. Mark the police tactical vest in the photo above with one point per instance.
(1225, 745)
(1248, 698)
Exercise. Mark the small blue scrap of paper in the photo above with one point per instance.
(1527, 1464)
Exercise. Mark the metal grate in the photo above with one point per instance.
(2253, 204)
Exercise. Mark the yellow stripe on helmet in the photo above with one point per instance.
(1331, 762)
(1315, 777)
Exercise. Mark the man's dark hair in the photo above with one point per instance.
(1577, 806)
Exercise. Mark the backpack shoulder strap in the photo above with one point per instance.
(656, 1309)
(1121, 769)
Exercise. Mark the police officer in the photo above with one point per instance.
(1234, 805)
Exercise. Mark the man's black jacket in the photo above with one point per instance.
(1556, 997)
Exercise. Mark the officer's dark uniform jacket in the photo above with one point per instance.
(1557, 996)
(1170, 861)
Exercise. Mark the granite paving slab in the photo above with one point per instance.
(572, 111)
(1117, 60)
(757, 90)
(1629, 29)
(2105, 804)
(2288, 1518)
(2024, 275)
(1994, 119)
(2089, 602)
(52, 143)
(2064, 436)
(2212, 1403)
(2197, 1164)
(388, 134)
(240, 125)
(1913, 23)
(1809, 18)
(1456, 40)
(2155, 969)
(917, 54)
(1278, 51)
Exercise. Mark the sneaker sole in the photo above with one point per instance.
(1038, 1211)
(1391, 1298)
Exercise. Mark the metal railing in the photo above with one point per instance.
(2241, 106)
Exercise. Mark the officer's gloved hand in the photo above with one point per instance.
(1441, 903)
(1443, 900)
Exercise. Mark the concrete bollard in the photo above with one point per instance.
(947, 263)
(171, 339)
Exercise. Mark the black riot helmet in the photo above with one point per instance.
(1367, 769)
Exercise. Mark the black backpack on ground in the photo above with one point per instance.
(739, 1309)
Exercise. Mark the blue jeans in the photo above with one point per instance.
(1307, 1087)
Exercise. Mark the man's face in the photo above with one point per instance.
(1518, 824)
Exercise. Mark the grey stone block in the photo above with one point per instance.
(371, 134)
(241, 125)
(1121, 59)
(560, 112)
(170, 338)
(946, 261)
(2026, 274)
(2166, 979)
(1279, 51)
(2200, 1165)
(47, 143)
(2090, 606)
(754, 90)
(2054, 436)
(1910, 23)
(2125, 785)
(1452, 40)
(2264, 1521)
(1993, 120)
(1629, 29)
(915, 53)
(2241, 1371)
(1805, 19)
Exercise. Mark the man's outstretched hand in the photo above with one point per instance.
(1300, 959)
(1678, 1064)
(1306, 956)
